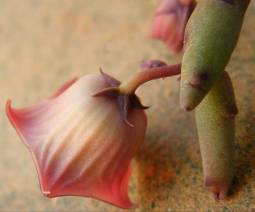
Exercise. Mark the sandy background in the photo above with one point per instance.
(43, 43)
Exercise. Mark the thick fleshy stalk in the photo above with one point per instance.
(215, 119)
(210, 37)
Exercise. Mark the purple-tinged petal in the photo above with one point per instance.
(170, 21)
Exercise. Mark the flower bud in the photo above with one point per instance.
(80, 143)
(170, 21)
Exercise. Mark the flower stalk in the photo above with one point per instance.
(148, 74)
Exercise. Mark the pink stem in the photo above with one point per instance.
(148, 74)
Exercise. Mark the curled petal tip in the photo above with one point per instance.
(13, 117)
(10, 113)
(8, 108)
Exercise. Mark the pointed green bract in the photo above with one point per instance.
(216, 130)
(211, 35)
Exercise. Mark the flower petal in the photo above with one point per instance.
(79, 142)
(170, 21)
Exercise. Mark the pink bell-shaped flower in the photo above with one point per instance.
(170, 21)
(82, 144)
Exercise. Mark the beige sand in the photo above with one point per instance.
(44, 43)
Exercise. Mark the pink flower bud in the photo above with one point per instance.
(81, 145)
(170, 21)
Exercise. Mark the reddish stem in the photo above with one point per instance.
(148, 74)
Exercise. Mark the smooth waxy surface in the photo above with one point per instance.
(210, 37)
(45, 43)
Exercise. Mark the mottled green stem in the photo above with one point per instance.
(215, 118)
(211, 35)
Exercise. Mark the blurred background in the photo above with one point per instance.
(45, 43)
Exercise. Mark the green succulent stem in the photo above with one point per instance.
(129, 86)
(210, 38)
(215, 119)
